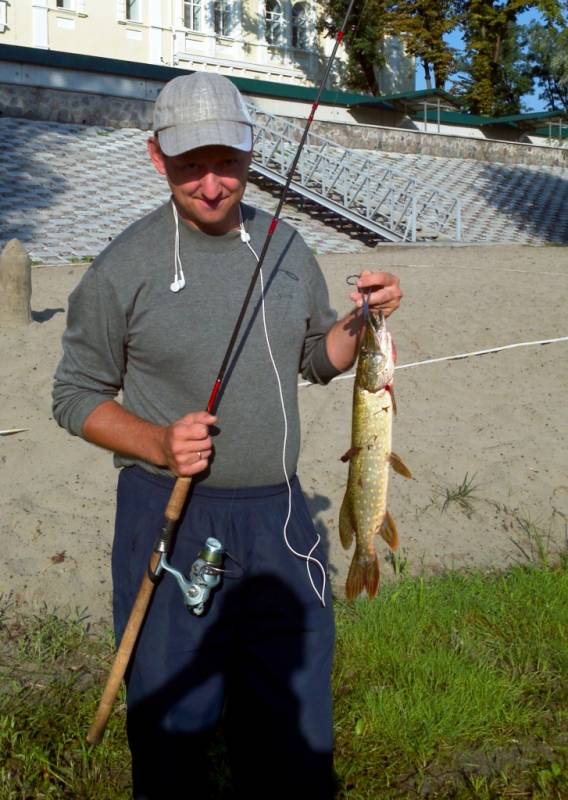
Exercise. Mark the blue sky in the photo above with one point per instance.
(456, 40)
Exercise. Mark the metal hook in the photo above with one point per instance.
(351, 280)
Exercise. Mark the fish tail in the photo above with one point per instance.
(362, 575)
(345, 524)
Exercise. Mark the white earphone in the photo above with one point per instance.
(178, 282)
(179, 278)
(177, 285)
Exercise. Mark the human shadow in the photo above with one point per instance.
(260, 750)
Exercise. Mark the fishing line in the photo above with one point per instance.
(456, 357)
(309, 558)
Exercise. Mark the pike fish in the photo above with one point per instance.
(364, 513)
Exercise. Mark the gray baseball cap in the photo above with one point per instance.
(199, 110)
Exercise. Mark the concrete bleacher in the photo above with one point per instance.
(66, 190)
(500, 203)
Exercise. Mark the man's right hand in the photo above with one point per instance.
(184, 446)
(187, 445)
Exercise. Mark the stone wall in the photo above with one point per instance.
(400, 140)
(83, 108)
(87, 108)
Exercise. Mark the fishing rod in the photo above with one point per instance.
(158, 558)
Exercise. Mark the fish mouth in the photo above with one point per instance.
(376, 364)
(377, 320)
(372, 343)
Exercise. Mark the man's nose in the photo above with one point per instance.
(210, 185)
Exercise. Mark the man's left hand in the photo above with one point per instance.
(385, 294)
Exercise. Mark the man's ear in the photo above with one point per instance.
(156, 155)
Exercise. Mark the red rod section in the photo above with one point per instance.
(214, 393)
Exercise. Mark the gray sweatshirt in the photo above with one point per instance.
(127, 331)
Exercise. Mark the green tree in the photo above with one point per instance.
(547, 60)
(496, 73)
(423, 26)
(496, 91)
(420, 24)
(364, 36)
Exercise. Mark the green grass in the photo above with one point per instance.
(470, 664)
(81, 259)
(448, 687)
(51, 670)
(534, 540)
(462, 495)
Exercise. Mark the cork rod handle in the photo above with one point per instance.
(134, 624)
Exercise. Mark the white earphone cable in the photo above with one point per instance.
(179, 283)
(309, 558)
(179, 277)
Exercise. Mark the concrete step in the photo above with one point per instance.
(66, 190)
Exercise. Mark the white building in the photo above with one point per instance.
(274, 40)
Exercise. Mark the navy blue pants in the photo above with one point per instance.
(259, 659)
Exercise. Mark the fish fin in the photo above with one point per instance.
(346, 527)
(351, 453)
(399, 466)
(390, 390)
(388, 531)
(362, 576)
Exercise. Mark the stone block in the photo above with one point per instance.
(15, 285)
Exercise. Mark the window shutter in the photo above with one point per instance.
(121, 9)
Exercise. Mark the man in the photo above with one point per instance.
(152, 318)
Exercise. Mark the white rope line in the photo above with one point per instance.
(63, 263)
(469, 268)
(454, 358)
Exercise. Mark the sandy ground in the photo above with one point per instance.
(500, 419)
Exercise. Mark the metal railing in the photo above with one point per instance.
(386, 201)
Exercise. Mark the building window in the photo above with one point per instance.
(133, 10)
(274, 22)
(192, 14)
(222, 18)
(68, 5)
(299, 26)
